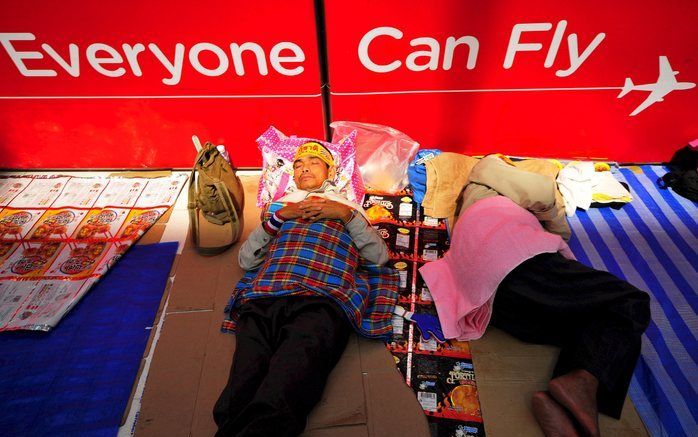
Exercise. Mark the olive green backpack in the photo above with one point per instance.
(216, 193)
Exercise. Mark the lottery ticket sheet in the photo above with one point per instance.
(60, 234)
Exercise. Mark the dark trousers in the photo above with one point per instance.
(595, 318)
(285, 349)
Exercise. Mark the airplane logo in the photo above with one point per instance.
(666, 83)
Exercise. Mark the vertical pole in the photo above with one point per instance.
(321, 32)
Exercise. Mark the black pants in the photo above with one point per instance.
(596, 318)
(285, 349)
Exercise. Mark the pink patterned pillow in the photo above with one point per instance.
(277, 165)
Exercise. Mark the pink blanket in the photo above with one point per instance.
(490, 239)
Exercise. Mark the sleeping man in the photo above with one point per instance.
(503, 264)
(305, 291)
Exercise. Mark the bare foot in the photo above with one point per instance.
(553, 419)
(576, 391)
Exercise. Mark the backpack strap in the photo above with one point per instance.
(194, 217)
(668, 180)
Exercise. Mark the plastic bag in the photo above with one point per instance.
(382, 153)
(278, 151)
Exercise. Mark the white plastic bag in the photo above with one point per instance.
(382, 153)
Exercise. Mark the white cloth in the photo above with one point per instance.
(605, 188)
(575, 184)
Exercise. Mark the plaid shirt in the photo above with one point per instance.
(319, 259)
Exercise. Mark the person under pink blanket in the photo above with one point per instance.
(509, 264)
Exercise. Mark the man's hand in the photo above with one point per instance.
(290, 211)
(318, 208)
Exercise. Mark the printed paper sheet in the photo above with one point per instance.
(441, 374)
(58, 235)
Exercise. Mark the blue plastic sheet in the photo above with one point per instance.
(76, 380)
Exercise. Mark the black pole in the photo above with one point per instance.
(320, 29)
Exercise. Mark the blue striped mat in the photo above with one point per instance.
(652, 243)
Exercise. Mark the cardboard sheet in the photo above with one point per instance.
(508, 370)
(365, 394)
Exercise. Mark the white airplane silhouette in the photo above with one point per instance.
(666, 83)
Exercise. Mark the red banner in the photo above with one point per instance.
(126, 85)
(107, 86)
(534, 78)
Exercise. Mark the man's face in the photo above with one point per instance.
(309, 172)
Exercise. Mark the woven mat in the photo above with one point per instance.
(652, 242)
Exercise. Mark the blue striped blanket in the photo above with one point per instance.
(652, 243)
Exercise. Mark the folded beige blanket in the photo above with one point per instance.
(448, 173)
